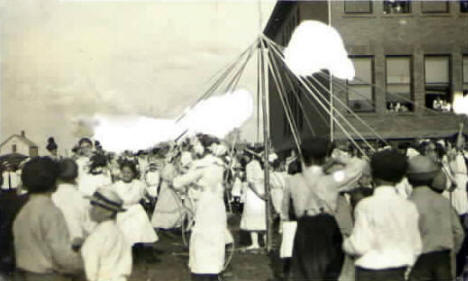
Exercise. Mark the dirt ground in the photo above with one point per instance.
(245, 266)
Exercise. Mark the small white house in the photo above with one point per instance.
(19, 144)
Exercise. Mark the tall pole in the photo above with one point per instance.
(263, 75)
(332, 109)
(266, 142)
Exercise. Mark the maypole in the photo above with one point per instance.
(332, 125)
(266, 132)
(266, 143)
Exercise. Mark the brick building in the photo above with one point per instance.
(411, 59)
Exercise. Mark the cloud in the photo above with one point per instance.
(217, 115)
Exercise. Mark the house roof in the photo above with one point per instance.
(22, 139)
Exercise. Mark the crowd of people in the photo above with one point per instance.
(393, 214)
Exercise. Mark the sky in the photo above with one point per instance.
(62, 60)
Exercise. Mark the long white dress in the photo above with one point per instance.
(167, 213)
(134, 222)
(209, 234)
(278, 184)
(459, 196)
(253, 215)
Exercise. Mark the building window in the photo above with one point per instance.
(397, 7)
(437, 82)
(13, 148)
(435, 6)
(358, 7)
(360, 89)
(465, 75)
(464, 6)
(398, 80)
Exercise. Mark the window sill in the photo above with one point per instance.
(429, 111)
(402, 113)
(402, 15)
(437, 15)
(356, 15)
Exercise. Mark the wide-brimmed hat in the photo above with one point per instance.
(422, 168)
(107, 199)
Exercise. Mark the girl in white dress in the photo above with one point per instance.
(134, 222)
(209, 234)
(253, 216)
(167, 213)
(95, 176)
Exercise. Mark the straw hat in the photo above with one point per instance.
(107, 199)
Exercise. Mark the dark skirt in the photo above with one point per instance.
(317, 251)
(387, 274)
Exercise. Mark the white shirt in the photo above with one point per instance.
(152, 179)
(106, 254)
(403, 188)
(236, 190)
(89, 183)
(131, 193)
(206, 172)
(386, 233)
(74, 208)
(13, 178)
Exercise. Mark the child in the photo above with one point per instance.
(106, 253)
(134, 222)
(41, 237)
(70, 201)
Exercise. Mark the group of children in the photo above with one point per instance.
(90, 215)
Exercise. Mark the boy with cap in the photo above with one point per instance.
(42, 241)
(385, 237)
(106, 253)
(440, 227)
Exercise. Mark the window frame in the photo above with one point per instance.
(385, 12)
(447, 7)
(410, 83)
(371, 85)
(464, 83)
(461, 6)
(358, 13)
(448, 95)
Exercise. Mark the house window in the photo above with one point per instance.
(464, 6)
(13, 148)
(437, 82)
(360, 89)
(465, 75)
(397, 7)
(434, 6)
(398, 81)
(358, 7)
(33, 151)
